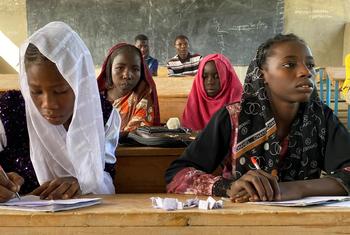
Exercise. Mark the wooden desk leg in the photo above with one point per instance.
(336, 94)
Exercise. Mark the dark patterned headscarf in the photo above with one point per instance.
(257, 134)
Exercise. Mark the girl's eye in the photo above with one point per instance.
(137, 69)
(61, 91)
(34, 92)
(289, 65)
(311, 65)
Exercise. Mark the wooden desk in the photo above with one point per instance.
(334, 76)
(9, 82)
(172, 95)
(133, 214)
(141, 169)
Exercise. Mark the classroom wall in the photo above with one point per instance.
(346, 49)
(320, 22)
(13, 23)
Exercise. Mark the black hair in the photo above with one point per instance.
(180, 37)
(33, 56)
(264, 49)
(141, 37)
(128, 49)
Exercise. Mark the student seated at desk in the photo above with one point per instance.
(141, 42)
(282, 123)
(215, 85)
(184, 63)
(51, 133)
(127, 83)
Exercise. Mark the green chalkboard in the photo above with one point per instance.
(232, 27)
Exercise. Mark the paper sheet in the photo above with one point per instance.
(34, 203)
(307, 201)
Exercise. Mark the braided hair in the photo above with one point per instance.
(33, 56)
(264, 49)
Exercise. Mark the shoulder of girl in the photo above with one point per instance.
(13, 96)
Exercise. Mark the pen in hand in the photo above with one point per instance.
(3, 173)
(255, 163)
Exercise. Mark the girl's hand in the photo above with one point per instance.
(60, 188)
(8, 187)
(255, 185)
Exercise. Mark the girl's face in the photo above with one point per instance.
(289, 72)
(211, 79)
(50, 92)
(126, 71)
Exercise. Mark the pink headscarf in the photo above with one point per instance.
(200, 107)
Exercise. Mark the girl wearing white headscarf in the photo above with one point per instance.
(83, 149)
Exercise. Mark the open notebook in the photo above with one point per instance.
(34, 203)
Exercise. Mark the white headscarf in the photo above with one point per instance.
(78, 152)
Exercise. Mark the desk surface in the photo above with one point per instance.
(144, 151)
(166, 86)
(336, 73)
(132, 213)
(9, 82)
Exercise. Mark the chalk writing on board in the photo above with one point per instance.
(314, 13)
(249, 27)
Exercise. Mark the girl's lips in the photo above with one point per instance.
(305, 89)
(305, 84)
(53, 118)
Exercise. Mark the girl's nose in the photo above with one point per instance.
(126, 73)
(49, 102)
(305, 71)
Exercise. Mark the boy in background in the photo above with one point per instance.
(184, 63)
(141, 42)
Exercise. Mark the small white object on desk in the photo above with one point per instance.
(210, 204)
(171, 204)
(173, 123)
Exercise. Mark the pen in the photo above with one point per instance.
(6, 177)
(255, 163)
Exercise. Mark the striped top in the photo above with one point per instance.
(189, 66)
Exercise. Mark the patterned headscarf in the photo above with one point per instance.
(142, 87)
(257, 134)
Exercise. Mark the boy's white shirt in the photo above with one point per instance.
(80, 151)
